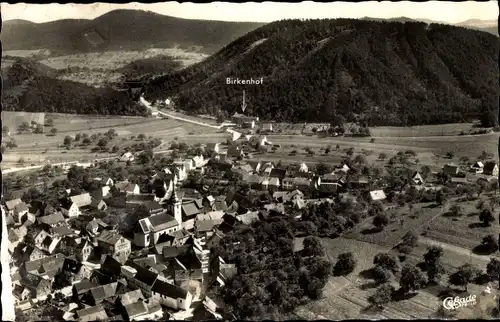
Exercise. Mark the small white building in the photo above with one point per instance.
(303, 168)
(377, 195)
(127, 156)
(171, 295)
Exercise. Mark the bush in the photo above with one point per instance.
(345, 264)
(382, 296)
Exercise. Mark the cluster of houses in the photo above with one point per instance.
(165, 261)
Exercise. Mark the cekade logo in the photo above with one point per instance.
(451, 303)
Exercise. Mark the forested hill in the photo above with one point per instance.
(122, 30)
(385, 73)
(32, 87)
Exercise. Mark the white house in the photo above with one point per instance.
(17, 209)
(213, 147)
(377, 195)
(303, 168)
(72, 209)
(477, 167)
(128, 187)
(149, 230)
(127, 156)
(171, 295)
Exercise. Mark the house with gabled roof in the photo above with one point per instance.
(52, 220)
(477, 167)
(79, 289)
(96, 226)
(139, 311)
(451, 169)
(149, 230)
(223, 271)
(105, 181)
(114, 244)
(17, 209)
(127, 156)
(417, 179)
(171, 295)
(127, 187)
(46, 267)
(70, 208)
(98, 204)
(100, 293)
(377, 195)
(490, 168)
(213, 147)
(93, 313)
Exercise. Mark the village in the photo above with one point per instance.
(69, 262)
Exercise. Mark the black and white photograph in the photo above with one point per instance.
(250, 161)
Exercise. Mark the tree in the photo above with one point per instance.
(322, 169)
(463, 276)
(49, 122)
(382, 156)
(111, 133)
(328, 150)
(380, 274)
(412, 279)
(486, 217)
(433, 255)
(435, 271)
(386, 261)
(115, 149)
(345, 264)
(493, 269)
(490, 243)
(25, 126)
(3, 148)
(450, 154)
(360, 159)
(380, 221)
(141, 137)
(5, 128)
(38, 129)
(53, 131)
(146, 156)
(21, 160)
(78, 136)
(103, 142)
(410, 239)
(67, 140)
(313, 246)
(350, 152)
(440, 197)
(456, 210)
(382, 296)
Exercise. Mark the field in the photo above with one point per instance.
(14, 119)
(40, 148)
(346, 297)
(112, 60)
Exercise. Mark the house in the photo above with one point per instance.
(21, 293)
(84, 250)
(165, 183)
(96, 226)
(105, 181)
(115, 245)
(270, 183)
(278, 173)
(198, 162)
(205, 227)
(490, 168)
(139, 311)
(127, 187)
(52, 220)
(451, 169)
(149, 230)
(40, 288)
(249, 217)
(101, 192)
(477, 167)
(213, 147)
(44, 241)
(93, 313)
(131, 297)
(417, 179)
(267, 127)
(46, 267)
(222, 271)
(376, 195)
(18, 210)
(70, 208)
(170, 295)
(190, 210)
(31, 253)
(235, 151)
(102, 292)
(127, 156)
(98, 204)
(303, 168)
(180, 170)
(77, 271)
(360, 182)
(287, 183)
(81, 288)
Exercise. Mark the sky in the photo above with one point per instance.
(450, 12)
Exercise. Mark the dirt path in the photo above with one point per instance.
(455, 249)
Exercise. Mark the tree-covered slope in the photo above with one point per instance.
(32, 87)
(385, 73)
(121, 30)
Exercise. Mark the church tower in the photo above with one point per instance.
(176, 206)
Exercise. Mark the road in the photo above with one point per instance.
(82, 163)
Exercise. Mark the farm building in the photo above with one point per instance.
(450, 169)
(417, 178)
(491, 168)
(127, 156)
(267, 127)
(377, 195)
(477, 167)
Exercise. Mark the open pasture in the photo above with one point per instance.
(422, 130)
(112, 60)
(14, 119)
(391, 235)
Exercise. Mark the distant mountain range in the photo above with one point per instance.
(122, 29)
(378, 72)
(490, 26)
